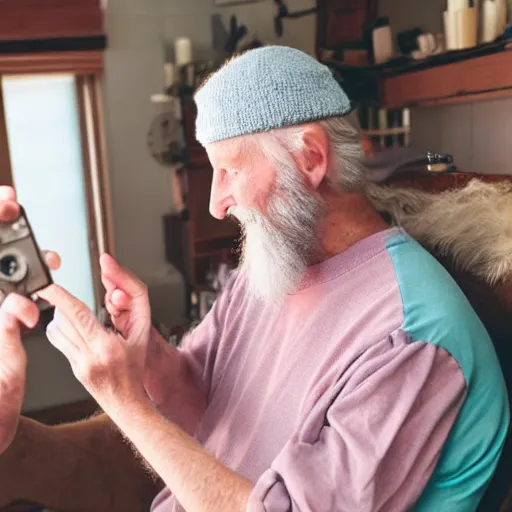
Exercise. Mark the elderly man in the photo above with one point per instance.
(341, 370)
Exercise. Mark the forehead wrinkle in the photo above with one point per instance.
(236, 152)
(242, 153)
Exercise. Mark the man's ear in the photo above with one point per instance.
(313, 158)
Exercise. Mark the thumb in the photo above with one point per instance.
(115, 276)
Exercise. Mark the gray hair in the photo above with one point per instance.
(346, 168)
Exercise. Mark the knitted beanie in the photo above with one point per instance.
(263, 89)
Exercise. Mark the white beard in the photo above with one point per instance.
(278, 247)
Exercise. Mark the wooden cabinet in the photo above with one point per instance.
(343, 22)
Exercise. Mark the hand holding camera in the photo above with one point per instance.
(23, 270)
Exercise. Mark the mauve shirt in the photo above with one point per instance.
(375, 387)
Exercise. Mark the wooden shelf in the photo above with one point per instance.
(386, 131)
(475, 79)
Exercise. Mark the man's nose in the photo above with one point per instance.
(220, 196)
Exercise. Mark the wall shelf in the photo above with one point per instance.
(474, 79)
(383, 132)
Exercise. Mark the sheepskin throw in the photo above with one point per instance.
(472, 225)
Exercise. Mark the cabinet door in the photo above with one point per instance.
(343, 22)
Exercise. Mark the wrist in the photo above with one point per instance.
(129, 414)
(9, 424)
(155, 349)
(123, 396)
(157, 371)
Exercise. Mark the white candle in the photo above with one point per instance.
(450, 29)
(501, 16)
(489, 21)
(467, 24)
(183, 51)
(457, 5)
(168, 74)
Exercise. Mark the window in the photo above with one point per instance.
(55, 165)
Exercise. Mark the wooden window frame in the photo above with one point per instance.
(5, 161)
(87, 62)
(95, 171)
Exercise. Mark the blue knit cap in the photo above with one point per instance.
(264, 89)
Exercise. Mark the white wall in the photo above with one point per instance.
(478, 135)
(137, 31)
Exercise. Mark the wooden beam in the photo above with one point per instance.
(79, 63)
(33, 19)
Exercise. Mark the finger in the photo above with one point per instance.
(74, 309)
(60, 342)
(7, 193)
(120, 300)
(107, 283)
(119, 277)
(112, 310)
(67, 329)
(107, 303)
(10, 336)
(11, 348)
(52, 259)
(21, 309)
(9, 210)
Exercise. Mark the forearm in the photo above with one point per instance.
(171, 386)
(199, 481)
(9, 415)
(83, 466)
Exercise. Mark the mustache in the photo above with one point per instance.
(243, 215)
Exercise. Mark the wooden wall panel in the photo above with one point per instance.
(40, 19)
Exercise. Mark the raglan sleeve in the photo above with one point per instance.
(376, 444)
(199, 347)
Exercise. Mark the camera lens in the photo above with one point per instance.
(9, 265)
(13, 266)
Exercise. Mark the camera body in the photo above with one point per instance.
(22, 266)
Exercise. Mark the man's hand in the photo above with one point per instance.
(168, 380)
(110, 366)
(126, 299)
(14, 312)
(127, 302)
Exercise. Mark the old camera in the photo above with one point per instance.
(22, 266)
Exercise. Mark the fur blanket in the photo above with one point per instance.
(472, 225)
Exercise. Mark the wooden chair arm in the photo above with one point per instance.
(84, 466)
